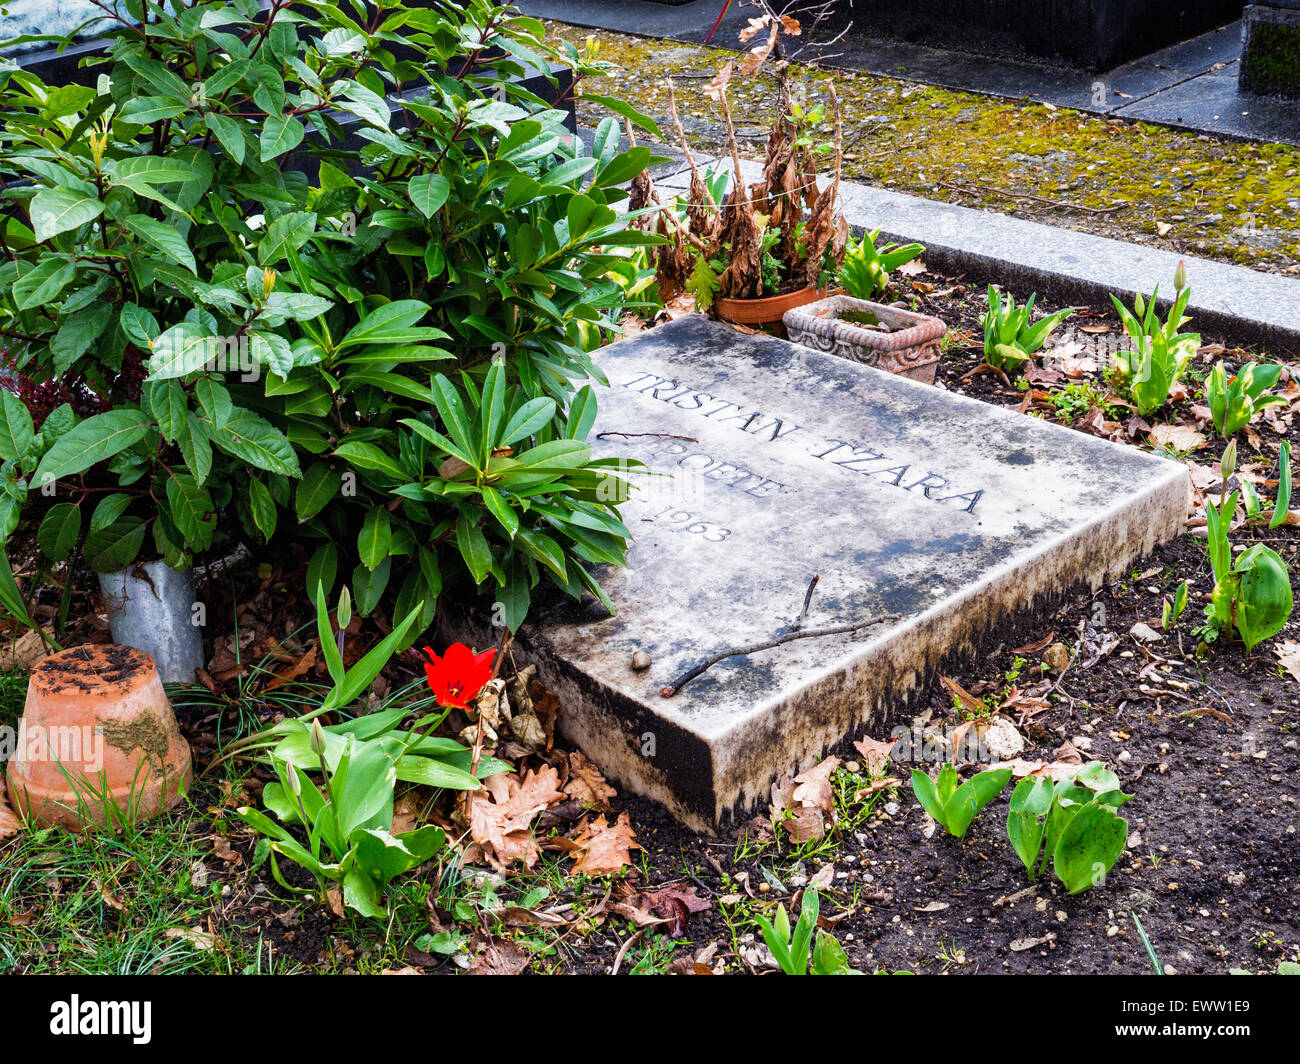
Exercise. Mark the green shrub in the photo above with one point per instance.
(411, 326)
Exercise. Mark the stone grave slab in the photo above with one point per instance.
(780, 463)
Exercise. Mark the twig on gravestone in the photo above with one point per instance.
(844, 629)
(807, 601)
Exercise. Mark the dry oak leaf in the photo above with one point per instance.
(672, 904)
(814, 786)
(876, 753)
(1288, 656)
(605, 847)
(1180, 437)
(805, 824)
(500, 814)
(495, 956)
(586, 784)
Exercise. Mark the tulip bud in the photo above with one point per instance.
(1228, 463)
(345, 608)
(1180, 276)
(295, 784)
(317, 738)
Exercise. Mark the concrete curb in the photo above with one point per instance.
(1069, 267)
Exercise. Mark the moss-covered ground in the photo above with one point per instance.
(1195, 194)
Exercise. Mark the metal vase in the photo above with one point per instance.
(151, 607)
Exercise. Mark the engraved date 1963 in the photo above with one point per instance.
(677, 520)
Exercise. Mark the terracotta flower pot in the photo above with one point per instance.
(765, 312)
(98, 740)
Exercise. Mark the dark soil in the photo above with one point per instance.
(1213, 869)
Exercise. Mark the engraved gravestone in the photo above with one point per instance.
(777, 463)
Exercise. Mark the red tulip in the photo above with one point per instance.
(459, 675)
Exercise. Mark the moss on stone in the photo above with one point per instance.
(1195, 194)
(1271, 61)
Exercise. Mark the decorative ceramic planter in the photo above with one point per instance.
(151, 607)
(910, 348)
(765, 312)
(98, 741)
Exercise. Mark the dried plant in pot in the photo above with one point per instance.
(750, 253)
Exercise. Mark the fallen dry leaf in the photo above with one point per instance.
(1038, 647)
(823, 878)
(877, 786)
(965, 698)
(195, 936)
(804, 824)
(9, 822)
(405, 816)
(502, 812)
(586, 784)
(1288, 656)
(302, 665)
(23, 652)
(1056, 770)
(495, 956)
(813, 787)
(876, 753)
(1180, 438)
(221, 848)
(668, 905)
(401, 971)
(605, 847)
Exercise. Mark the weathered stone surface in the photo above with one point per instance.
(784, 463)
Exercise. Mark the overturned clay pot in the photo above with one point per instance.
(98, 741)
